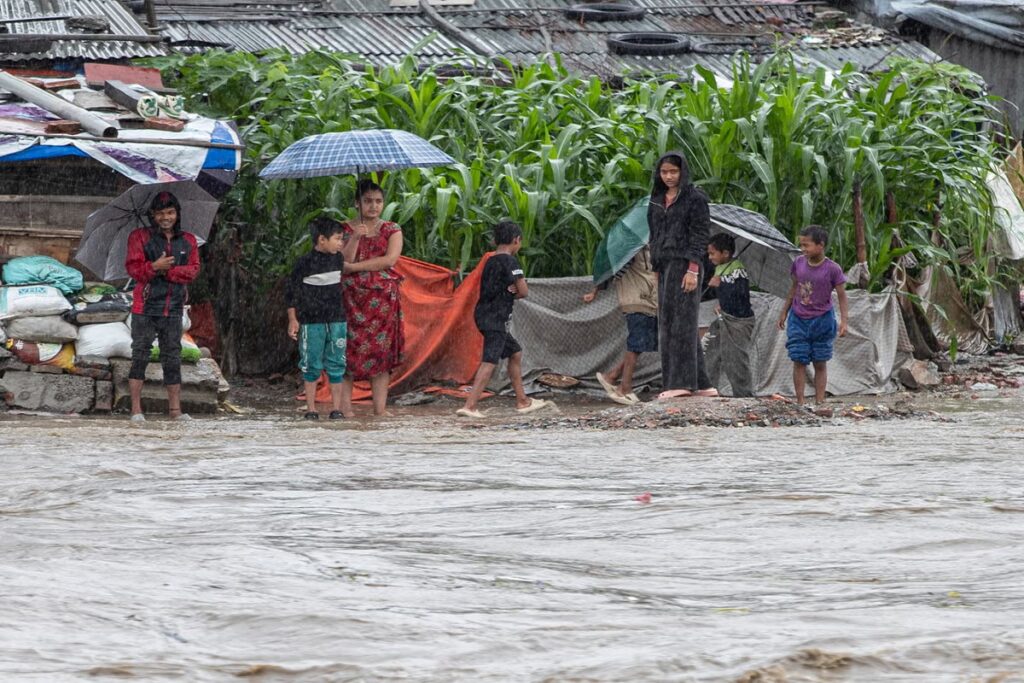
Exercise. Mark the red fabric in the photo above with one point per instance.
(204, 327)
(373, 309)
(442, 342)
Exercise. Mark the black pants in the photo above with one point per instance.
(682, 360)
(166, 330)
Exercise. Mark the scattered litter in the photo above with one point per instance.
(557, 381)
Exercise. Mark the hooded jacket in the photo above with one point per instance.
(679, 232)
(161, 294)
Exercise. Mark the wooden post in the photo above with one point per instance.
(858, 225)
(890, 208)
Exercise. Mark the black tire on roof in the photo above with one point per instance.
(654, 44)
(605, 11)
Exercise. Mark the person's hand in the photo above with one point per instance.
(715, 281)
(163, 263)
(718, 310)
(293, 329)
(512, 289)
(690, 281)
(589, 296)
(842, 328)
(361, 230)
(782, 322)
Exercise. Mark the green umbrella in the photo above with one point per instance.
(623, 240)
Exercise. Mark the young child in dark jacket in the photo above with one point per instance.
(316, 314)
(733, 289)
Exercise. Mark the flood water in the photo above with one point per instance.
(420, 550)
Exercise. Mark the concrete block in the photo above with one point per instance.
(92, 362)
(918, 374)
(12, 363)
(96, 373)
(46, 369)
(104, 402)
(54, 393)
(200, 385)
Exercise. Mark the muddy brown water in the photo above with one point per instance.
(418, 550)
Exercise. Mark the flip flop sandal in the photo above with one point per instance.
(674, 393)
(609, 388)
(619, 398)
(474, 414)
(712, 392)
(535, 404)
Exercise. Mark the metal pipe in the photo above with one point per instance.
(59, 106)
(151, 14)
(131, 141)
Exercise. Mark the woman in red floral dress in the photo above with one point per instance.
(371, 292)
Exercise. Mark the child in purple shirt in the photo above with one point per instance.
(807, 317)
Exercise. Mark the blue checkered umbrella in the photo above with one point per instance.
(354, 151)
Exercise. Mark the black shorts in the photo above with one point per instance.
(499, 345)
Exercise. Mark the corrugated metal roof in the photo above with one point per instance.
(361, 35)
(514, 29)
(122, 22)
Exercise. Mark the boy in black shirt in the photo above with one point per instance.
(501, 284)
(316, 314)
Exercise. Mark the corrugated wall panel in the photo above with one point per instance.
(1003, 70)
(122, 22)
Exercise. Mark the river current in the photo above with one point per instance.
(416, 549)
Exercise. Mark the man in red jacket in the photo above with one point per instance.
(162, 260)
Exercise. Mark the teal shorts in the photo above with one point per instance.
(322, 347)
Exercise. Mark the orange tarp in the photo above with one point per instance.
(441, 339)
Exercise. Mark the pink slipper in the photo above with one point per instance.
(707, 392)
(674, 393)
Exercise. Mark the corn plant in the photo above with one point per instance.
(565, 155)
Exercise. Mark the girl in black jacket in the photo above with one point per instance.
(679, 222)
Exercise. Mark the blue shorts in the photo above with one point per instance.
(322, 347)
(810, 340)
(641, 333)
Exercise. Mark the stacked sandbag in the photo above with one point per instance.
(37, 363)
(66, 345)
(99, 303)
(33, 270)
(33, 313)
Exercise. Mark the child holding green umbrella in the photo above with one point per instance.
(637, 289)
